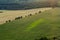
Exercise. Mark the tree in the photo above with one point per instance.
(39, 11)
(9, 20)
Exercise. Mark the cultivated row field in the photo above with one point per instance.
(12, 14)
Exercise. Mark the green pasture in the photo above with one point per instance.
(33, 27)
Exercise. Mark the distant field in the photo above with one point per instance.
(11, 14)
(33, 27)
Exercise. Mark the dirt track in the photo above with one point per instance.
(11, 14)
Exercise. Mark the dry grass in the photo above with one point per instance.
(11, 14)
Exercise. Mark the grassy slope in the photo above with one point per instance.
(29, 28)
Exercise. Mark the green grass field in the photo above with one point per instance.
(44, 24)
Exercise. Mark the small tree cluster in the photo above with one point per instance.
(38, 12)
(18, 18)
(8, 21)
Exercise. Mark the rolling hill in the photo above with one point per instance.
(29, 28)
(6, 15)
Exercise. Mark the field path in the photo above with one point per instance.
(11, 14)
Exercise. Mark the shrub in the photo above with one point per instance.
(21, 17)
(43, 38)
(9, 20)
(6, 21)
(25, 16)
(17, 18)
(35, 13)
(30, 15)
(54, 38)
(39, 11)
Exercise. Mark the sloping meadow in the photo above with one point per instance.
(32, 27)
